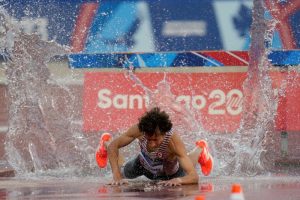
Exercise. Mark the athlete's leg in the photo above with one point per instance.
(194, 155)
(133, 168)
(102, 154)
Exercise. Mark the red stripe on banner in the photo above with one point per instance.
(226, 58)
(242, 54)
(82, 26)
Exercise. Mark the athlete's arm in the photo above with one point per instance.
(117, 143)
(177, 146)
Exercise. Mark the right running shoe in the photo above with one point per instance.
(205, 159)
(101, 153)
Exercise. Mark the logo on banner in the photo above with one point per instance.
(112, 102)
(220, 105)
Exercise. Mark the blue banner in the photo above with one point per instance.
(144, 25)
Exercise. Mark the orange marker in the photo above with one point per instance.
(200, 197)
(236, 192)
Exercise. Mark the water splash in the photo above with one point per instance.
(40, 133)
(260, 104)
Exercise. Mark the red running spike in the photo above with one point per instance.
(101, 153)
(205, 159)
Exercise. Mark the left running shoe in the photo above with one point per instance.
(101, 153)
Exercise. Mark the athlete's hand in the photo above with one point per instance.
(172, 182)
(118, 182)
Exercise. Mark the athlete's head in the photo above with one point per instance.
(155, 122)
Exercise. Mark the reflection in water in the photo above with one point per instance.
(206, 187)
(268, 188)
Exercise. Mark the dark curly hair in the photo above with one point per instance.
(153, 119)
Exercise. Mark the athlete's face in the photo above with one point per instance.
(155, 140)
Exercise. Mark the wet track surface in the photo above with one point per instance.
(261, 187)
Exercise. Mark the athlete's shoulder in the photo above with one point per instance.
(134, 131)
(175, 141)
(175, 136)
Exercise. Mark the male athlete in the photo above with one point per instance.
(163, 155)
